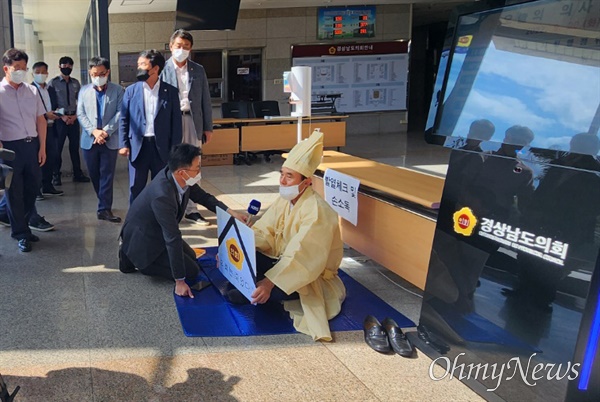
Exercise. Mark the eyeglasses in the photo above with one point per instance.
(19, 69)
(99, 75)
(192, 170)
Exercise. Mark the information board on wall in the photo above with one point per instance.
(346, 22)
(367, 77)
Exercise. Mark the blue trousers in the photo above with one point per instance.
(147, 161)
(101, 162)
(26, 181)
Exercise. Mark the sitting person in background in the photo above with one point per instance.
(299, 247)
(150, 238)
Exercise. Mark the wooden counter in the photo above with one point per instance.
(284, 136)
(257, 134)
(224, 141)
(394, 236)
(406, 184)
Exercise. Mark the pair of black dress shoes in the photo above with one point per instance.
(386, 336)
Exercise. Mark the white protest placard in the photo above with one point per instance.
(341, 192)
(237, 253)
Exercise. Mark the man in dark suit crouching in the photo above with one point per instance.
(150, 238)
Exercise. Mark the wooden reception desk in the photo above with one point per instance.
(396, 213)
(280, 133)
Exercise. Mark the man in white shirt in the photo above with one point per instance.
(150, 124)
(194, 98)
(23, 131)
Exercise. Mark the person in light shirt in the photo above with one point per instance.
(194, 97)
(22, 130)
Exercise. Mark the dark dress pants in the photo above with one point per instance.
(101, 163)
(263, 264)
(50, 166)
(26, 180)
(62, 133)
(148, 160)
(162, 266)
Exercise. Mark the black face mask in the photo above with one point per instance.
(66, 71)
(142, 75)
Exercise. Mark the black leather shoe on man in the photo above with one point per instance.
(375, 335)
(107, 215)
(398, 339)
(197, 218)
(125, 265)
(81, 179)
(24, 245)
(50, 191)
(40, 224)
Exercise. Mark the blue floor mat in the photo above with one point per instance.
(209, 314)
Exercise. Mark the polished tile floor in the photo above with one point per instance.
(73, 328)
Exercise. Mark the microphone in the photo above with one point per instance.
(253, 209)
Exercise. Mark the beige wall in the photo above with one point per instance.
(4, 30)
(274, 30)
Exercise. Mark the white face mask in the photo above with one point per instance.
(99, 81)
(18, 76)
(180, 54)
(290, 192)
(40, 78)
(192, 180)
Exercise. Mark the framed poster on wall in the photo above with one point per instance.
(366, 77)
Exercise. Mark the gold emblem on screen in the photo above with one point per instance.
(236, 257)
(464, 221)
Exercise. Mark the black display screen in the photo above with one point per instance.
(207, 15)
(534, 65)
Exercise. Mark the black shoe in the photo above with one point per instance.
(375, 335)
(398, 340)
(41, 225)
(196, 218)
(236, 297)
(56, 179)
(125, 265)
(25, 245)
(33, 238)
(50, 191)
(81, 179)
(107, 215)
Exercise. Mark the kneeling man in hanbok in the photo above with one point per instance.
(299, 246)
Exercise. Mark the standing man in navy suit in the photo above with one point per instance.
(150, 122)
(98, 112)
(194, 98)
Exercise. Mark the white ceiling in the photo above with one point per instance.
(144, 6)
(60, 22)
